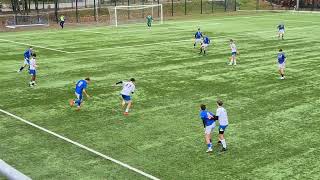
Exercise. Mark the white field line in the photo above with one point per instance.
(81, 146)
(41, 47)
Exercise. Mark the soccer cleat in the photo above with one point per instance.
(223, 149)
(71, 102)
(282, 78)
(126, 113)
(18, 71)
(209, 150)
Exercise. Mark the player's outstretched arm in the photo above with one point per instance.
(85, 92)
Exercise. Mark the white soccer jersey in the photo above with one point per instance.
(128, 88)
(233, 47)
(33, 64)
(223, 116)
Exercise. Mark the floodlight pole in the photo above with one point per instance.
(297, 8)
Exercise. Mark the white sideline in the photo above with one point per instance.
(34, 46)
(82, 146)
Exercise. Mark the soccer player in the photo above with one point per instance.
(280, 31)
(81, 87)
(149, 21)
(62, 21)
(233, 58)
(281, 63)
(208, 124)
(27, 54)
(128, 89)
(205, 44)
(197, 36)
(32, 70)
(222, 116)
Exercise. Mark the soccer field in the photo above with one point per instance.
(274, 124)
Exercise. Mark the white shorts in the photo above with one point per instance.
(198, 41)
(281, 31)
(282, 66)
(209, 129)
(26, 61)
(204, 45)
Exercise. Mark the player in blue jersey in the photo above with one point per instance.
(80, 88)
(27, 54)
(205, 44)
(281, 63)
(197, 36)
(209, 125)
(280, 31)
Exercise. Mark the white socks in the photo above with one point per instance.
(224, 144)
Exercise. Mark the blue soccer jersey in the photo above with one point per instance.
(198, 35)
(27, 54)
(81, 84)
(281, 57)
(204, 115)
(206, 40)
(281, 27)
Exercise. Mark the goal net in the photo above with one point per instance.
(135, 14)
(14, 21)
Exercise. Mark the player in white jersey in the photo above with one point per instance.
(233, 48)
(32, 70)
(128, 89)
(222, 116)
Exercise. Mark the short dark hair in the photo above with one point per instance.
(280, 50)
(219, 102)
(34, 54)
(231, 40)
(87, 79)
(198, 29)
(132, 79)
(203, 107)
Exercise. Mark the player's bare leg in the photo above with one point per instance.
(128, 108)
(208, 141)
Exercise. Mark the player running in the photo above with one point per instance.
(208, 124)
(197, 36)
(222, 116)
(149, 21)
(281, 63)
(233, 58)
(80, 88)
(27, 54)
(205, 44)
(32, 70)
(281, 31)
(62, 21)
(128, 89)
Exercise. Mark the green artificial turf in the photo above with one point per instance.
(274, 124)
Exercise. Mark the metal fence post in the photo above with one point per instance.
(94, 10)
(77, 13)
(185, 7)
(171, 7)
(225, 5)
(201, 6)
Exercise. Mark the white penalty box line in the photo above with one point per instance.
(82, 146)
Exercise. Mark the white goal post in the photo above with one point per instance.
(135, 13)
(14, 21)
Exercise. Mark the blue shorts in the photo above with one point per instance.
(32, 72)
(126, 98)
(233, 53)
(222, 129)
